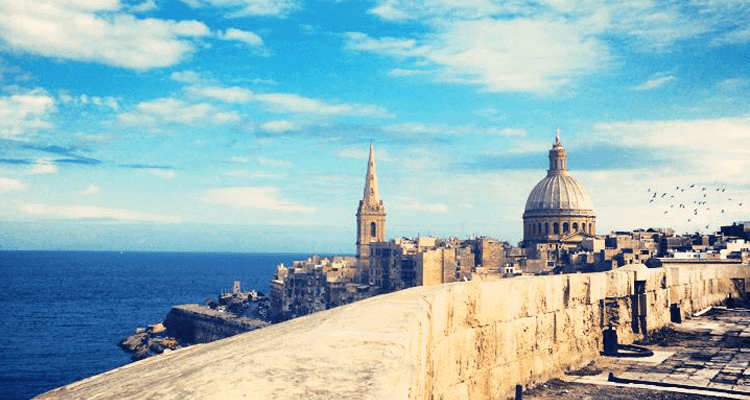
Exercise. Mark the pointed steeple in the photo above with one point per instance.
(371, 194)
(370, 216)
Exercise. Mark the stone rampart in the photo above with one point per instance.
(472, 340)
(190, 323)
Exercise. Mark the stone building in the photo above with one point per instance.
(315, 284)
(558, 209)
(370, 217)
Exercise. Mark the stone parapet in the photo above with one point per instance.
(468, 340)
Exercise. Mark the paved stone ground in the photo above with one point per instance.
(710, 351)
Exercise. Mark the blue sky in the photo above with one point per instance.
(244, 125)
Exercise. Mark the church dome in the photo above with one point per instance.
(558, 208)
(559, 192)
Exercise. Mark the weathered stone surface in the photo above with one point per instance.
(473, 340)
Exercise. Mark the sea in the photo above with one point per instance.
(62, 313)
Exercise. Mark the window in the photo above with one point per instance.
(575, 226)
(546, 228)
(373, 229)
(555, 228)
(565, 227)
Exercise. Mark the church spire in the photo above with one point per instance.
(371, 195)
(370, 218)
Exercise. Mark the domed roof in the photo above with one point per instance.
(559, 192)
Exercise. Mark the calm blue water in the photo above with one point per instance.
(63, 313)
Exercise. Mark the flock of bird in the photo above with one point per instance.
(694, 202)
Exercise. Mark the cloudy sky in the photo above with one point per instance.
(244, 125)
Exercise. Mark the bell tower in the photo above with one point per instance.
(370, 214)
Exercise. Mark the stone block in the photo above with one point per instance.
(524, 330)
(438, 316)
(499, 301)
(505, 342)
(480, 385)
(453, 359)
(549, 293)
(597, 288)
(577, 290)
(673, 276)
(676, 292)
(619, 283)
(485, 347)
(546, 335)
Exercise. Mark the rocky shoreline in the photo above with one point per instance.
(233, 313)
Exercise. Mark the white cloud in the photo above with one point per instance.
(163, 173)
(408, 72)
(91, 189)
(95, 212)
(234, 94)
(520, 55)
(266, 175)
(539, 46)
(287, 102)
(738, 35)
(413, 204)
(84, 99)
(293, 103)
(261, 198)
(279, 126)
(718, 147)
(96, 31)
(655, 82)
(276, 163)
(237, 173)
(11, 185)
(148, 5)
(242, 36)
(171, 110)
(25, 112)
(43, 167)
(185, 76)
(411, 128)
(244, 8)
(239, 159)
(733, 83)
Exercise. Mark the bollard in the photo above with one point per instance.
(675, 313)
(609, 337)
(519, 392)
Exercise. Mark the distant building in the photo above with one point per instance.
(738, 230)
(370, 216)
(558, 210)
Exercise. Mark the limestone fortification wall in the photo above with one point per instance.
(472, 340)
(190, 323)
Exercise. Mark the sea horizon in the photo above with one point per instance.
(64, 311)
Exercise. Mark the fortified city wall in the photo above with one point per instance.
(468, 340)
(191, 323)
